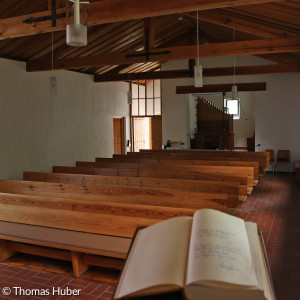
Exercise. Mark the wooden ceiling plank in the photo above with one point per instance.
(183, 52)
(218, 88)
(121, 39)
(101, 13)
(59, 39)
(207, 72)
(253, 27)
(267, 16)
(98, 35)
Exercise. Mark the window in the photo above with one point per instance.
(146, 98)
(233, 107)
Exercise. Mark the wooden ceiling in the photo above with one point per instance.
(116, 31)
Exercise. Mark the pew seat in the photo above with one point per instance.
(74, 230)
(80, 248)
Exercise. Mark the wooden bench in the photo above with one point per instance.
(119, 158)
(234, 190)
(262, 157)
(81, 231)
(114, 195)
(242, 180)
(247, 172)
(260, 161)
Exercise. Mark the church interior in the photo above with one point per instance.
(119, 115)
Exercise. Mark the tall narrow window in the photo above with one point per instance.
(146, 98)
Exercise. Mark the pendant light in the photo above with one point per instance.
(234, 87)
(76, 30)
(53, 86)
(198, 68)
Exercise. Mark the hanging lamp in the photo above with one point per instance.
(76, 17)
(198, 76)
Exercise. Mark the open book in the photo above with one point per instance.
(209, 256)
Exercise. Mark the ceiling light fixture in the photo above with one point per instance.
(198, 68)
(76, 18)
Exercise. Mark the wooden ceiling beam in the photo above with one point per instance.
(149, 37)
(109, 11)
(219, 88)
(183, 52)
(207, 72)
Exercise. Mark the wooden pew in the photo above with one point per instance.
(119, 158)
(234, 190)
(260, 161)
(247, 172)
(109, 194)
(242, 180)
(74, 230)
(262, 157)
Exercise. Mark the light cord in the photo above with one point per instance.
(197, 39)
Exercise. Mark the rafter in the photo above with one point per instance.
(184, 52)
(101, 13)
(208, 72)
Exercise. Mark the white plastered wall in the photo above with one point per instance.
(39, 130)
(273, 114)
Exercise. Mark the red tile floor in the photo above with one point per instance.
(274, 206)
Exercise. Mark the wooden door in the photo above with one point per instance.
(119, 135)
(156, 132)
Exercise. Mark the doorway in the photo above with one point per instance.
(146, 133)
(119, 135)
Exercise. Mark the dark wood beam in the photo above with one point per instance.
(109, 11)
(219, 88)
(207, 72)
(149, 33)
(183, 52)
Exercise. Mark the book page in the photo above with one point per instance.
(219, 251)
(157, 260)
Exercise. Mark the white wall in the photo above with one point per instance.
(39, 130)
(277, 110)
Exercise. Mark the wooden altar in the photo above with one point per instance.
(214, 127)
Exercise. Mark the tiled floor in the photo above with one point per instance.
(12, 277)
(274, 206)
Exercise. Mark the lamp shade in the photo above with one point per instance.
(234, 92)
(76, 18)
(198, 76)
(129, 97)
(76, 35)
